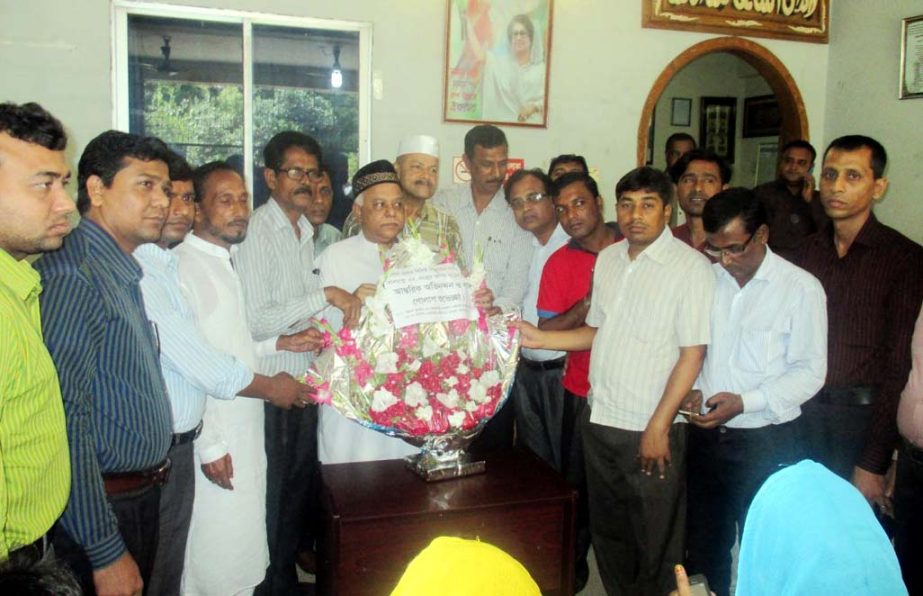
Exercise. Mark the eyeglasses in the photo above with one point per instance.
(298, 174)
(533, 197)
(731, 251)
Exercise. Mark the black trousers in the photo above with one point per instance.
(138, 517)
(834, 435)
(637, 522)
(908, 513)
(726, 467)
(291, 492)
(176, 498)
(497, 434)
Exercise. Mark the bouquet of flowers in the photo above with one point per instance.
(423, 364)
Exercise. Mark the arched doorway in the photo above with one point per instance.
(794, 118)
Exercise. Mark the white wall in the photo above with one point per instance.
(603, 64)
(862, 90)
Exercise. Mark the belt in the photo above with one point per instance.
(189, 435)
(859, 395)
(120, 483)
(33, 552)
(543, 364)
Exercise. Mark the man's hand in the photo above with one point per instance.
(364, 291)
(529, 335)
(724, 407)
(285, 392)
(807, 191)
(872, 486)
(346, 302)
(655, 449)
(693, 402)
(119, 578)
(220, 472)
(309, 340)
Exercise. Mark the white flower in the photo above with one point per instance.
(425, 413)
(489, 379)
(449, 400)
(431, 347)
(382, 400)
(418, 253)
(457, 419)
(476, 276)
(415, 395)
(471, 406)
(386, 363)
(462, 369)
(450, 382)
(414, 366)
(478, 393)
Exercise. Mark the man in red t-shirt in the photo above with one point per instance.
(563, 303)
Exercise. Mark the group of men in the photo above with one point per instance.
(665, 373)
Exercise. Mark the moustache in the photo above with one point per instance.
(304, 190)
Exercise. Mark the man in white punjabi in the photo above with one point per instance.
(767, 356)
(648, 329)
(356, 264)
(283, 291)
(193, 369)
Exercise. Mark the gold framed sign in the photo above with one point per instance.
(912, 57)
(497, 58)
(798, 20)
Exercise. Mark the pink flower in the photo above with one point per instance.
(409, 338)
(463, 385)
(459, 327)
(449, 364)
(395, 383)
(364, 372)
(482, 320)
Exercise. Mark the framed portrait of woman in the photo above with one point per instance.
(497, 58)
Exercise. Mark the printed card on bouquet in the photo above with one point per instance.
(429, 295)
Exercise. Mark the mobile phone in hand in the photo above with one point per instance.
(698, 585)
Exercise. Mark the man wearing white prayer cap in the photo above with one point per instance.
(417, 166)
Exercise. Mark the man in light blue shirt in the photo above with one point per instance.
(192, 369)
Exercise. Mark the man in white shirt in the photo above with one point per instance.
(356, 264)
(193, 369)
(485, 219)
(230, 484)
(283, 290)
(767, 356)
(648, 328)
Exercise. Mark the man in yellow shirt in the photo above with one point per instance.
(34, 210)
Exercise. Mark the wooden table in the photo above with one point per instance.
(379, 515)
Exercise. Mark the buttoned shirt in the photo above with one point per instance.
(506, 248)
(437, 229)
(791, 218)
(644, 310)
(540, 255)
(768, 342)
(115, 401)
(910, 411)
(281, 282)
(34, 466)
(192, 368)
(873, 297)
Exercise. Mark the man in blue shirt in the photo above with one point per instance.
(105, 350)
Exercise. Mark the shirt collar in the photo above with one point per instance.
(574, 245)
(765, 272)
(19, 276)
(280, 220)
(871, 232)
(207, 247)
(105, 246)
(151, 255)
(659, 249)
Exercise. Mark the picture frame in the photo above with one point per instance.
(681, 111)
(718, 125)
(762, 117)
(497, 62)
(911, 79)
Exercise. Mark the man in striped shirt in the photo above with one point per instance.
(648, 328)
(105, 350)
(34, 209)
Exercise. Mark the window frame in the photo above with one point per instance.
(122, 9)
